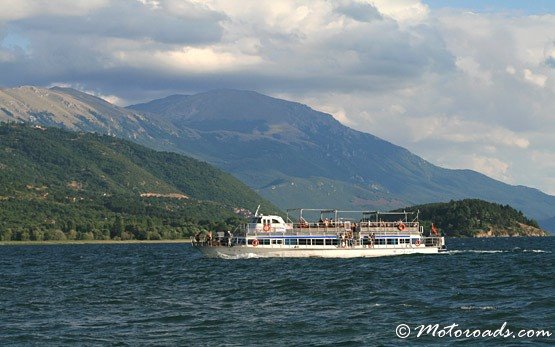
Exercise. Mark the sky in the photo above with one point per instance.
(463, 84)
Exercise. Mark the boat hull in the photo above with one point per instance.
(239, 252)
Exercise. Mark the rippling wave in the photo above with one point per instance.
(168, 294)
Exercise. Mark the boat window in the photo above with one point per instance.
(380, 241)
(318, 242)
(265, 241)
(277, 242)
(291, 242)
(304, 242)
(391, 241)
(275, 221)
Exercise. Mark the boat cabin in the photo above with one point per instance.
(269, 224)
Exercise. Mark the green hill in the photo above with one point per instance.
(477, 218)
(58, 184)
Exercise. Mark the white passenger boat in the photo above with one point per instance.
(325, 234)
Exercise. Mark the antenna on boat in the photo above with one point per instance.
(256, 213)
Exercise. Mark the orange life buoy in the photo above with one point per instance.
(266, 227)
(401, 226)
(254, 242)
(417, 243)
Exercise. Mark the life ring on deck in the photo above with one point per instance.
(266, 227)
(254, 242)
(417, 243)
(401, 226)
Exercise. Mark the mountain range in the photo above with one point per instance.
(289, 153)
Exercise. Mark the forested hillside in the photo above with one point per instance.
(473, 217)
(56, 184)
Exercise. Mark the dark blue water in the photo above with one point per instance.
(167, 294)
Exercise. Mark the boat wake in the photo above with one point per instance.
(478, 308)
(239, 256)
(514, 250)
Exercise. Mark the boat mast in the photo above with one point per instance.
(256, 213)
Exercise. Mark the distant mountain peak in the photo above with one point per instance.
(230, 105)
(71, 109)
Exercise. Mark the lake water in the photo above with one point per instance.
(167, 294)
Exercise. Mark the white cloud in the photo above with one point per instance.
(536, 79)
(461, 89)
(18, 9)
(492, 167)
(473, 69)
(403, 11)
(187, 60)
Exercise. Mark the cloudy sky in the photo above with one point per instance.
(464, 84)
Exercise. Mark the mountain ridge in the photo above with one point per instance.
(294, 155)
(411, 175)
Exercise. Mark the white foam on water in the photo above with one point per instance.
(514, 250)
(476, 251)
(478, 308)
(239, 256)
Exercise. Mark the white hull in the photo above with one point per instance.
(309, 252)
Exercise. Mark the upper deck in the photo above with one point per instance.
(335, 222)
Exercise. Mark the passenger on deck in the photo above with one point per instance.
(303, 223)
(228, 236)
(208, 238)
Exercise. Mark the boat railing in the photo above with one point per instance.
(299, 228)
(298, 232)
(389, 224)
(433, 241)
(389, 233)
(335, 227)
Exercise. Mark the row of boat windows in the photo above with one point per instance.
(328, 242)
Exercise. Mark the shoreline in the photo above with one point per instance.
(89, 242)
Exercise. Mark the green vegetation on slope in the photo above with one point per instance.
(56, 184)
(473, 217)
